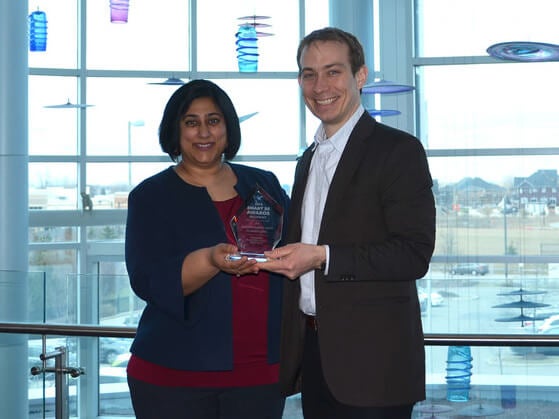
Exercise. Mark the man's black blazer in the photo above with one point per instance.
(379, 221)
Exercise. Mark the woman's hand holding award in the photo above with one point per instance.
(257, 226)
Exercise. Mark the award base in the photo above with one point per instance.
(259, 257)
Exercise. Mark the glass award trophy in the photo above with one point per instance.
(257, 226)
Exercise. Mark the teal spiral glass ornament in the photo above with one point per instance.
(458, 373)
(247, 48)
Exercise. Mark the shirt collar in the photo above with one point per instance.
(340, 138)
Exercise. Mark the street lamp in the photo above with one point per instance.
(506, 240)
(507, 206)
(137, 123)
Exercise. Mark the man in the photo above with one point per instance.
(362, 231)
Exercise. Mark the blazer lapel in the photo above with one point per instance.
(299, 185)
(351, 159)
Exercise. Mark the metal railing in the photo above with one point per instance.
(431, 339)
(61, 370)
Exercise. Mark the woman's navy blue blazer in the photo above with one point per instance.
(167, 219)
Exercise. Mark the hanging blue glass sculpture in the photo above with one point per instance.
(247, 42)
(247, 48)
(383, 112)
(385, 86)
(38, 31)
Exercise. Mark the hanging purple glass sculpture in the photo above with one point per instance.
(119, 11)
(38, 31)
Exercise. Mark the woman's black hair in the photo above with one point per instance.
(178, 104)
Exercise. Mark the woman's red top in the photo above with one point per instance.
(249, 317)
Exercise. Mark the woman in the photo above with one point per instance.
(207, 344)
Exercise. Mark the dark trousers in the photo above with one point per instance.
(319, 403)
(156, 402)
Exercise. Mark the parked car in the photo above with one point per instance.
(549, 322)
(469, 269)
(423, 300)
(133, 319)
(111, 348)
(435, 299)
(539, 350)
(121, 360)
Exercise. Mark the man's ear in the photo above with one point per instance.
(361, 76)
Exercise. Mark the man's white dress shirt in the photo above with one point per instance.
(327, 154)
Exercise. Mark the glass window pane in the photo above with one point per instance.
(132, 45)
(284, 171)
(485, 206)
(53, 186)
(489, 106)
(61, 50)
(105, 233)
(489, 231)
(47, 234)
(457, 28)
(275, 129)
(126, 123)
(108, 184)
(52, 131)
(316, 15)
(499, 172)
(216, 34)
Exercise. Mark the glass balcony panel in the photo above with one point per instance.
(45, 298)
(501, 384)
(21, 297)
